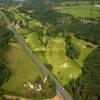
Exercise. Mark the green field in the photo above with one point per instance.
(23, 70)
(80, 11)
(85, 51)
(34, 23)
(33, 41)
(65, 68)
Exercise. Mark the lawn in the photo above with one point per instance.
(23, 70)
(80, 11)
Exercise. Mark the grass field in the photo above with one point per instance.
(80, 11)
(23, 70)
(85, 51)
(34, 23)
(63, 67)
(33, 41)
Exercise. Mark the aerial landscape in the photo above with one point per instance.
(49, 49)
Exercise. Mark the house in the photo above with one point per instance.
(35, 86)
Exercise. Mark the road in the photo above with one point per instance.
(60, 90)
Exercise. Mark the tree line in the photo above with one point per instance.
(5, 36)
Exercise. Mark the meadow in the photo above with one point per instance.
(23, 70)
(80, 11)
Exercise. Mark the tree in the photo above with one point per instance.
(92, 2)
(68, 39)
(5, 36)
(52, 85)
(4, 73)
(50, 67)
(72, 52)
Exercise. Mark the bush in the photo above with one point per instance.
(4, 74)
(50, 67)
(72, 52)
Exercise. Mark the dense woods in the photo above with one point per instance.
(85, 30)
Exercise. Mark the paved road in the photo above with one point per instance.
(60, 90)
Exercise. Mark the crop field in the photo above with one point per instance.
(80, 11)
(22, 69)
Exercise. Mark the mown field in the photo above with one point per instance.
(80, 11)
(85, 51)
(65, 68)
(23, 70)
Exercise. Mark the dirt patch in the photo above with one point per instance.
(65, 65)
(10, 97)
(97, 5)
(57, 98)
(83, 46)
